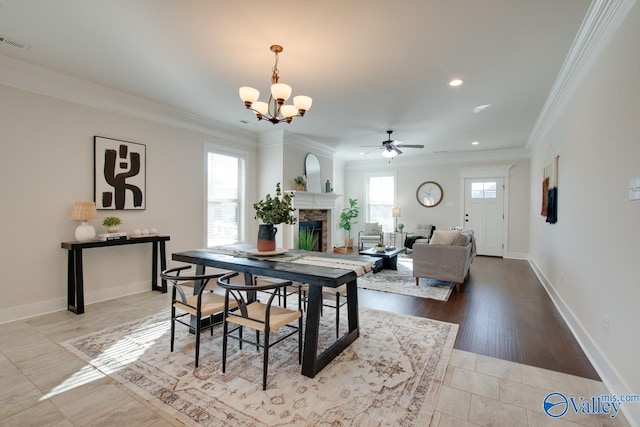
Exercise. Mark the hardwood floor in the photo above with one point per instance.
(503, 312)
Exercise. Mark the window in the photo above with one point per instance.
(381, 198)
(483, 190)
(225, 198)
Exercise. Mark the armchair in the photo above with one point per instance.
(372, 233)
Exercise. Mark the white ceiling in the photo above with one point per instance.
(369, 65)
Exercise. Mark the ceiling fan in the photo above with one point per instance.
(390, 147)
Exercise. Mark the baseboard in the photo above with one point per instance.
(608, 373)
(12, 314)
(516, 255)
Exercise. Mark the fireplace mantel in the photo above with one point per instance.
(309, 200)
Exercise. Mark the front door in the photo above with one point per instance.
(484, 213)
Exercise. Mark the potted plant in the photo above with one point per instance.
(307, 239)
(380, 247)
(112, 223)
(400, 227)
(273, 211)
(346, 220)
(299, 181)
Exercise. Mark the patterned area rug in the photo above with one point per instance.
(401, 281)
(389, 376)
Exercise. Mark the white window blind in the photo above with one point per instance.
(225, 198)
(380, 200)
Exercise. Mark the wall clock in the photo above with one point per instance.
(429, 194)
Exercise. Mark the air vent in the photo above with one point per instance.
(14, 43)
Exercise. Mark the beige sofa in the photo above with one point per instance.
(447, 257)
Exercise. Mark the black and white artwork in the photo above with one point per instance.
(119, 174)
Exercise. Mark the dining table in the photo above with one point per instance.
(316, 269)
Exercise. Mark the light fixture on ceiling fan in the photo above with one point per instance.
(275, 110)
(390, 147)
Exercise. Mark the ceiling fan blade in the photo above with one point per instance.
(371, 151)
(397, 150)
(366, 146)
(412, 146)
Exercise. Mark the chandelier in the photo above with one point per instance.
(275, 110)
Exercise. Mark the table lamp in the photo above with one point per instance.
(84, 211)
(396, 214)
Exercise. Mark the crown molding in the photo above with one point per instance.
(602, 20)
(31, 78)
(280, 137)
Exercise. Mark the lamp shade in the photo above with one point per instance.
(302, 103)
(288, 111)
(280, 91)
(249, 94)
(396, 212)
(84, 211)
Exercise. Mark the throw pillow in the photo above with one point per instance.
(371, 228)
(444, 237)
(463, 239)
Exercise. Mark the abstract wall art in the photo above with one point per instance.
(119, 174)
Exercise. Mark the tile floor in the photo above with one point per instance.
(41, 383)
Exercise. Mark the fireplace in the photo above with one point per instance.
(316, 219)
(315, 227)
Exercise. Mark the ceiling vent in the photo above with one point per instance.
(14, 43)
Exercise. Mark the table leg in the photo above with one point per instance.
(75, 283)
(154, 267)
(312, 363)
(390, 263)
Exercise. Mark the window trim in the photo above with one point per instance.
(225, 151)
(369, 175)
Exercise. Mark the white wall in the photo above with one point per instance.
(46, 164)
(588, 259)
(411, 173)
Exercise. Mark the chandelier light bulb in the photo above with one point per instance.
(288, 111)
(302, 103)
(281, 92)
(249, 95)
(261, 108)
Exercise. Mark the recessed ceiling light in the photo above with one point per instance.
(475, 143)
(455, 82)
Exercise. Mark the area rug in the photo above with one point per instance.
(401, 281)
(390, 375)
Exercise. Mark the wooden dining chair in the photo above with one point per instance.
(262, 317)
(185, 304)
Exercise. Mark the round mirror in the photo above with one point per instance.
(312, 170)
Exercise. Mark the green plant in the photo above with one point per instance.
(307, 239)
(380, 245)
(275, 210)
(400, 227)
(299, 180)
(110, 221)
(348, 214)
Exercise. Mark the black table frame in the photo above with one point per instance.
(75, 281)
(389, 258)
(316, 277)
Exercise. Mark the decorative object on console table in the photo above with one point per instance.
(273, 211)
(380, 247)
(112, 223)
(84, 211)
(346, 220)
(119, 174)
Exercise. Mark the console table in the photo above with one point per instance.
(75, 283)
